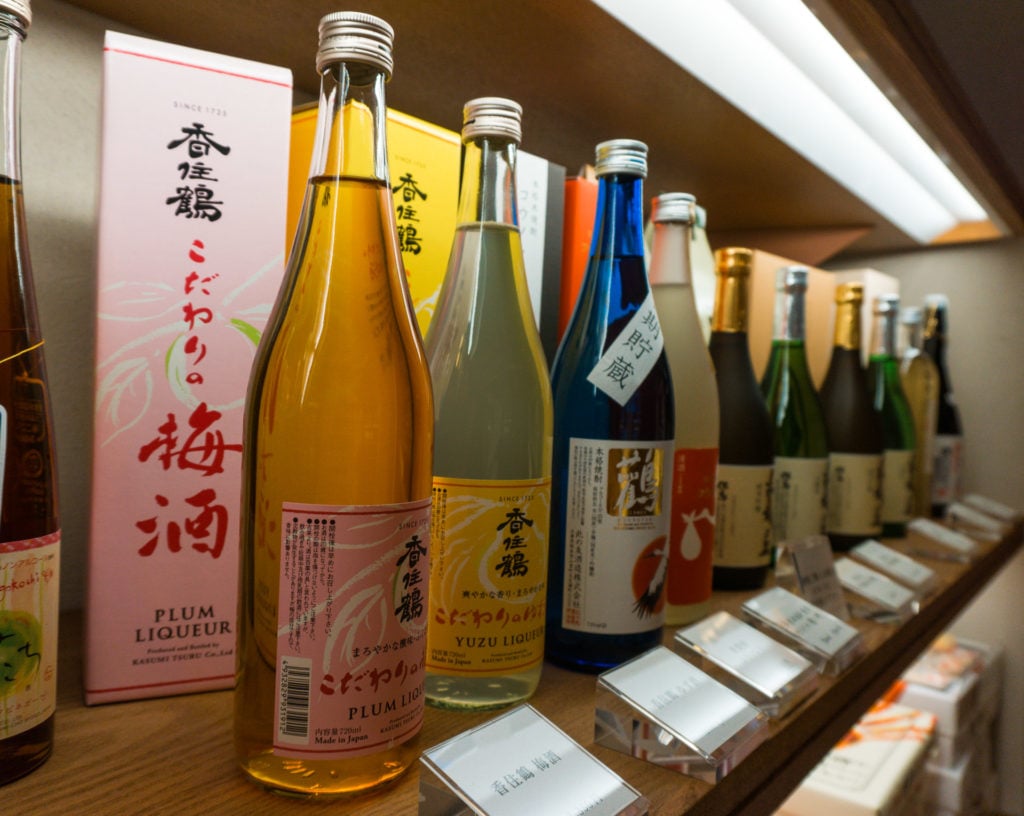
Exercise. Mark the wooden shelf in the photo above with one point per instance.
(175, 755)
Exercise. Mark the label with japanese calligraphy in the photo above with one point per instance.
(854, 494)
(630, 357)
(947, 462)
(488, 574)
(352, 618)
(743, 526)
(616, 536)
(693, 525)
(799, 497)
(897, 486)
(29, 598)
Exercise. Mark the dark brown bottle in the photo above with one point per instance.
(949, 437)
(29, 532)
(854, 432)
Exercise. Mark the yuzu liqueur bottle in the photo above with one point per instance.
(29, 529)
(337, 467)
(799, 486)
(897, 421)
(692, 537)
(919, 377)
(613, 441)
(492, 439)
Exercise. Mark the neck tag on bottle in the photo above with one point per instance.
(626, 363)
(518, 763)
(876, 597)
(660, 708)
(804, 567)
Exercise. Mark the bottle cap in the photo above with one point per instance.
(733, 261)
(936, 301)
(887, 304)
(702, 217)
(351, 36)
(621, 156)
(850, 293)
(21, 9)
(492, 116)
(792, 278)
(911, 315)
(678, 207)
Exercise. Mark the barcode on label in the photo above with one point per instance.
(293, 700)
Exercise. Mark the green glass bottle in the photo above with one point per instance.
(897, 421)
(799, 496)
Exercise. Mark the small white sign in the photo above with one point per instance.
(815, 628)
(520, 762)
(993, 508)
(895, 564)
(874, 586)
(941, 534)
(626, 363)
(960, 515)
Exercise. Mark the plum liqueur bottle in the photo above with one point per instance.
(948, 455)
(897, 422)
(920, 379)
(29, 529)
(799, 488)
(854, 432)
(613, 441)
(692, 537)
(743, 524)
(337, 467)
(492, 439)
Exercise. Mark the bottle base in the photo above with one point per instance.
(479, 693)
(894, 529)
(842, 542)
(593, 654)
(317, 779)
(738, 578)
(24, 753)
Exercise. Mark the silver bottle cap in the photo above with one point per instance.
(492, 116)
(792, 278)
(622, 156)
(21, 9)
(912, 315)
(887, 304)
(351, 36)
(936, 301)
(677, 207)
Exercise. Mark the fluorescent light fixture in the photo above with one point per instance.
(775, 61)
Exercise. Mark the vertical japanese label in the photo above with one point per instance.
(897, 486)
(616, 536)
(946, 471)
(29, 598)
(799, 497)
(693, 525)
(351, 628)
(743, 527)
(488, 575)
(626, 363)
(855, 494)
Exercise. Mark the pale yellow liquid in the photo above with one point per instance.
(920, 380)
(340, 413)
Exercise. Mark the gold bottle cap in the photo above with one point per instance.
(492, 116)
(21, 9)
(733, 261)
(621, 156)
(850, 293)
(351, 36)
(732, 273)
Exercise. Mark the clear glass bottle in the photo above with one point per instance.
(897, 422)
(746, 456)
(337, 467)
(613, 441)
(920, 379)
(854, 432)
(799, 487)
(949, 436)
(492, 439)
(692, 538)
(29, 527)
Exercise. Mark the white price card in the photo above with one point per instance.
(520, 762)
(998, 510)
(828, 642)
(874, 586)
(963, 517)
(813, 576)
(955, 544)
(896, 565)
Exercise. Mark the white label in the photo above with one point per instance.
(626, 363)
(799, 497)
(873, 585)
(681, 698)
(815, 628)
(943, 535)
(520, 762)
(992, 508)
(855, 494)
(946, 470)
(895, 564)
(816, 575)
(617, 520)
(743, 525)
(897, 486)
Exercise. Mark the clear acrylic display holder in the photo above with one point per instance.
(662, 709)
(804, 566)
(829, 643)
(934, 540)
(520, 762)
(773, 677)
(975, 523)
(1006, 514)
(876, 597)
(901, 568)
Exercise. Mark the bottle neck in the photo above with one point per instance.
(789, 314)
(11, 38)
(910, 339)
(351, 136)
(488, 190)
(847, 332)
(620, 217)
(934, 335)
(883, 335)
(730, 313)
(670, 253)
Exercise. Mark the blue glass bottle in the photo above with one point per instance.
(613, 441)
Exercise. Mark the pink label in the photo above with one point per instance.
(351, 639)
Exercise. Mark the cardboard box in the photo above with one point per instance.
(191, 214)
